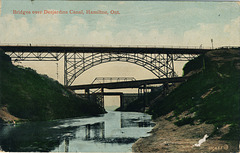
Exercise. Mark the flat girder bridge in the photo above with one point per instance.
(78, 59)
(98, 97)
(128, 84)
(104, 49)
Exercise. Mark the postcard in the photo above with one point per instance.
(119, 76)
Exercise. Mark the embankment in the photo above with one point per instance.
(208, 103)
(24, 94)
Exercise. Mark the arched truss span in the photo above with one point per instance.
(161, 65)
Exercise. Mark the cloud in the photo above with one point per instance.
(233, 26)
(76, 27)
(104, 37)
(225, 35)
(43, 29)
(50, 29)
(232, 31)
(106, 22)
(151, 37)
(202, 34)
(13, 29)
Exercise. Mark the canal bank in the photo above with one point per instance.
(167, 137)
(208, 103)
(25, 94)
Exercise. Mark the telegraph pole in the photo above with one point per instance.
(212, 43)
(57, 71)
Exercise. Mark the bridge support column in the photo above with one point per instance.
(165, 88)
(65, 70)
(144, 97)
(87, 94)
(102, 97)
(121, 101)
(66, 144)
(102, 127)
(169, 66)
(140, 92)
(87, 131)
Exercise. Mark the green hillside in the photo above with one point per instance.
(31, 96)
(211, 94)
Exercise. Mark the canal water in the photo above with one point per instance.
(111, 132)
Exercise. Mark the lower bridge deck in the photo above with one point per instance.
(128, 84)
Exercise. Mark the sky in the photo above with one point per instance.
(139, 23)
(161, 23)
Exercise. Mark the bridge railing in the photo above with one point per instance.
(104, 45)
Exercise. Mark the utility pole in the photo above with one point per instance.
(57, 71)
(212, 43)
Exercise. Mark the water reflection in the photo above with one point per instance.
(114, 131)
(141, 121)
(66, 143)
(96, 129)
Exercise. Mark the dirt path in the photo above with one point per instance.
(167, 137)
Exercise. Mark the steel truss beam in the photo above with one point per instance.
(112, 79)
(35, 56)
(160, 64)
(184, 57)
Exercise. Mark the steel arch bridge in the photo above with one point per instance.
(161, 65)
(78, 59)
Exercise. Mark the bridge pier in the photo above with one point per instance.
(165, 88)
(102, 97)
(66, 144)
(87, 93)
(65, 70)
(139, 92)
(144, 97)
(121, 101)
(142, 93)
(87, 131)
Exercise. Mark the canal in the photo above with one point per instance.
(111, 132)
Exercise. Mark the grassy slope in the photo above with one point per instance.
(32, 96)
(218, 81)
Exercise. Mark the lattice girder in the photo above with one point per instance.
(35, 56)
(161, 65)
